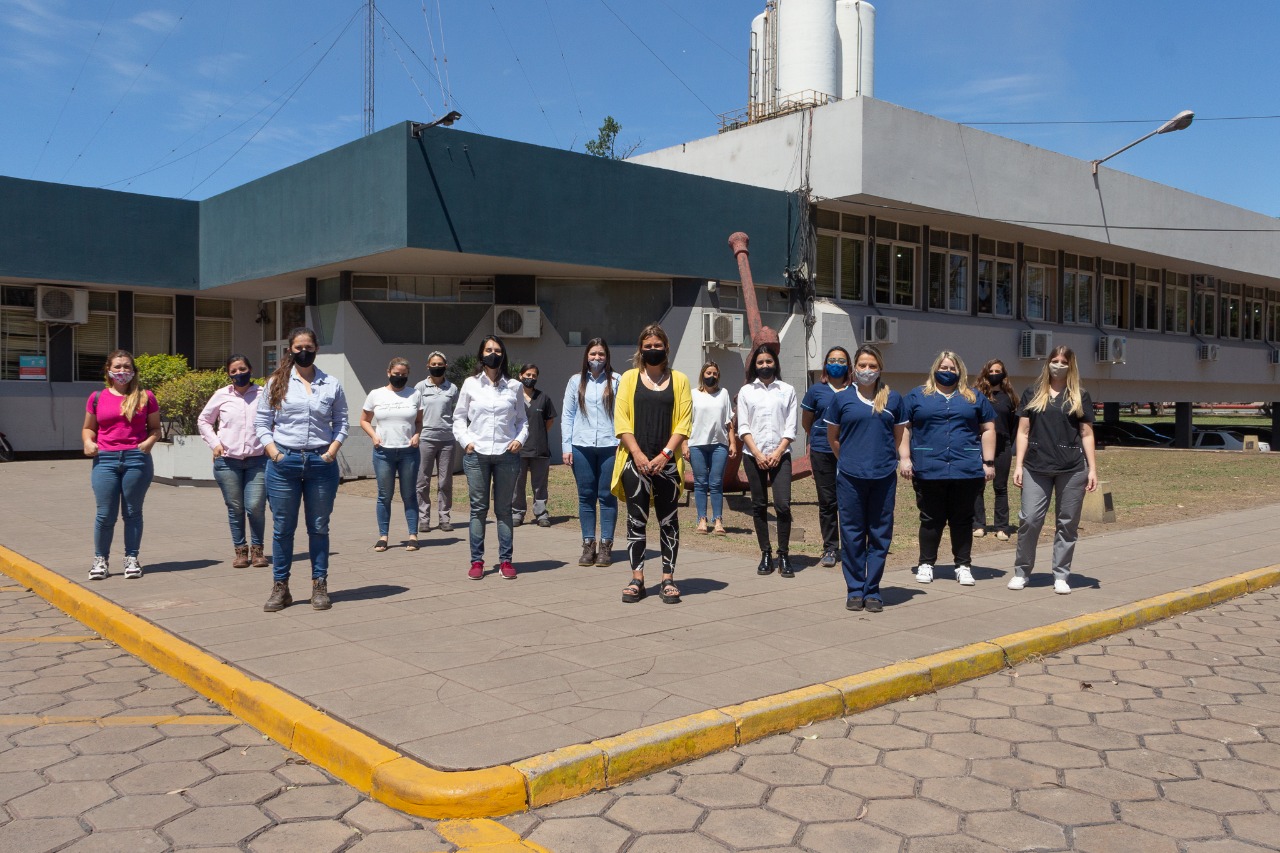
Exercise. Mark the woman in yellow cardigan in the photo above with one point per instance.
(653, 415)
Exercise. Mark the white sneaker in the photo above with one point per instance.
(1061, 587)
(99, 571)
(924, 573)
(964, 575)
(132, 568)
(1017, 582)
(979, 532)
(1002, 536)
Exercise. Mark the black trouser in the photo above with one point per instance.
(761, 481)
(824, 477)
(663, 489)
(1000, 485)
(942, 504)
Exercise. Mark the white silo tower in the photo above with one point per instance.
(761, 83)
(856, 27)
(808, 50)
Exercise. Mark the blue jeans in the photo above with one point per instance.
(593, 472)
(866, 530)
(388, 463)
(244, 489)
(708, 461)
(301, 478)
(486, 474)
(117, 475)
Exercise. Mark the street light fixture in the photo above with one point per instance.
(417, 127)
(1179, 122)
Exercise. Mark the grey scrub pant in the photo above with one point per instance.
(536, 469)
(437, 457)
(1068, 492)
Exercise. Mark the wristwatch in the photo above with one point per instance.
(988, 461)
(667, 452)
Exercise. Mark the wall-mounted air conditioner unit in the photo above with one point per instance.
(721, 329)
(1035, 343)
(62, 305)
(517, 321)
(879, 330)
(1207, 352)
(1111, 349)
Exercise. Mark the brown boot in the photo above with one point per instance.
(242, 557)
(256, 555)
(604, 555)
(320, 595)
(588, 557)
(280, 597)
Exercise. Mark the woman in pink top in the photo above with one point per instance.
(239, 460)
(121, 425)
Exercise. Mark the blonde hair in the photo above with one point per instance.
(1040, 391)
(881, 398)
(962, 384)
(134, 396)
(653, 330)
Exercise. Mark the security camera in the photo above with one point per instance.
(712, 286)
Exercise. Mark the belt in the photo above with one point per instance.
(324, 449)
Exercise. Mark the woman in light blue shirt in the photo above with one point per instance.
(301, 422)
(589, 445)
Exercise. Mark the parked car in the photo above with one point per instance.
(1144, 432)
(1114, 435)
(1222, 439)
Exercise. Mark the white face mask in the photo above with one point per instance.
(867, 377)
(122, 376)
(1057, 371)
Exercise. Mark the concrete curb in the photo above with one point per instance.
(409, 785)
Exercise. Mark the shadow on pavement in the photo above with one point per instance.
(366, 593)
(181, 565)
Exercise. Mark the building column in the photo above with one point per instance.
(1275, 426)
(1182, 425)
(1111, 413)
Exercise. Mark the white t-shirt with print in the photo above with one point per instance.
(394, 414)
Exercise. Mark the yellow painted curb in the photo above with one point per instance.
(413, 787)
(563, 774)
(785, 711)
(957, 665)
(1032, 643)
(643, 751)
(868, 690)
(1262, 578)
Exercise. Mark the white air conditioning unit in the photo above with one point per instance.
(1207, 352)
(1035, 343)
(879, 330)
(1111, 349)
(62, 305)
(1273, 356)
(517, 321)
(721, 329)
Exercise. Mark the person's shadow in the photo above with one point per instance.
(367, 593)
(181, 565)
(698, 586)
(892, 595)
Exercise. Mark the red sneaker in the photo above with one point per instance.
(508, 571)
(477, 570)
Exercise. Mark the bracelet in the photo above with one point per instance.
(988, 461)
(667, 452)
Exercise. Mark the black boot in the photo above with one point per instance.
(784, 565)
(766, 563)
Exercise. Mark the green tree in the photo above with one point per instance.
(183, 397)
(155, 370)
(606, 144)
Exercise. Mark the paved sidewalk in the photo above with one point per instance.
(465, 674)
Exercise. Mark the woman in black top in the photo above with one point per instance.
(993, 383)
(1055, 458)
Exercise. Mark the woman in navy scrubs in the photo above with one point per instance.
(836, 368)
(952, 437)
(864, 427)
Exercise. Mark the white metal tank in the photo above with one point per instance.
(808, 48)
(757, 96)
(856, 26)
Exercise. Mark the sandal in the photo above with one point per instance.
(668, 591)
(412, 544)
(381, 544)
(634, 591)
(719, 529)
(702, 526)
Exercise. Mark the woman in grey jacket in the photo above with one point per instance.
(436, 444)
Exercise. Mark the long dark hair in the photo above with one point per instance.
(279, 380)
(606, 396)
(751, 363)
(234, 357)
(984, 386)
(502, 368)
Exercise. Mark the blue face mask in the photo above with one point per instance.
(946, 377)
(837, 371)
(241, 379)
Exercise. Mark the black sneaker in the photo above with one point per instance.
(874, 605)
(828, 558)
(853, 602)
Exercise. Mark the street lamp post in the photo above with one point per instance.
(1179, 122)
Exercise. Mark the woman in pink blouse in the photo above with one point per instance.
(239, 460)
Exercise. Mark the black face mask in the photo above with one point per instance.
(304, 358)
(437, 371)
(241, 379)
(492, 361)
(529, 383)
(398, 382)
(766, 374)
(653, 357)
(995, 378)
(711, 381)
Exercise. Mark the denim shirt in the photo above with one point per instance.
(946, 434)
(304, 421)
(591, 425)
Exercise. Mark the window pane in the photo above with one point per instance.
(214, 308)
(1004, 289)
(937, 281)
(986, 285)
(851, 269)
(909, 233)
(904, 276)
(828, 219)
(1084, 294)
(1069, 297)
(615, 310)
(24, 297)
(153, 335)
(884, 273)
(144, 303)
(213, 344)
(1036, 296)
(293, 314)
(958, 292)
(825, 283)
(267, 314)
(92, 341)
(20, 335)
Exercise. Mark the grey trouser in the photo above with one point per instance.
(1068, 491)
(534, 468)
(433, 455)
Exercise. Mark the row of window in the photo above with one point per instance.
(1053, 287)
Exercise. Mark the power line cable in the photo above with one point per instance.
(421, 94)
(736, 57)
(1115, 121)
(525, 74)
(427, 68)
(565, 62)
(431, 42)
(670, 70)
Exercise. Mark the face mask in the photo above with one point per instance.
(492, 361)
(867, 377)
(241, 379)
(837, 371)
(595, 364)
(121, 376)
(529, 382)
(304, 358)
(653, 357)
(398, 382)
(766, 374)
(1058, 370)
(711, 381)
(995, 378)
(436, 371)
(946, 377)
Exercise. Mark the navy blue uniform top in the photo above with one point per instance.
(946, 434)
(867, 450)
(817, 399)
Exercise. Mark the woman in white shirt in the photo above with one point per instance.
(767, 427)
(711, 444)
(395, 447)
(491, 424)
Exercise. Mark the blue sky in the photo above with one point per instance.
(191, 97)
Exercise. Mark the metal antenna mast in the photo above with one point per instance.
(370, 11)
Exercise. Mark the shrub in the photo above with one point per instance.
(155, 370)
(183, 397)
